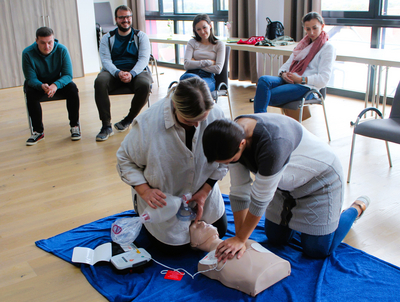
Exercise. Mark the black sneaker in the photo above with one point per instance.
(105, 133)
(122, 125)
(75, 133)
(34, 138)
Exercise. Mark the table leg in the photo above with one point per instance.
(385, 91)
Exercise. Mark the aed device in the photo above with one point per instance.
(131, 261)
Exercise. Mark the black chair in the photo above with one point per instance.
(221, 81)
(383, 129)
(318, 99)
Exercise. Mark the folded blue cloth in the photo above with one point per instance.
(347, 275)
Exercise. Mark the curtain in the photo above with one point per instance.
(243, 64)
(138, 12)
(294, 10)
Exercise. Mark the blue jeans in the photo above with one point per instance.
(313, 246)
(274, 91)
(208, 77)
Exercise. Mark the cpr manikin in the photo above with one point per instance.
(255, 271)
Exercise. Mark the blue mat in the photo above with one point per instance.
(347, 275)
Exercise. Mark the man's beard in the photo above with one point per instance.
(123, 29)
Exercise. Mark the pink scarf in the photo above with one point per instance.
(305, 52)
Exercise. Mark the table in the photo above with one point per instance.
(375, 58)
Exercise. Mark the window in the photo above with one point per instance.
(165, 17)
(358, 24)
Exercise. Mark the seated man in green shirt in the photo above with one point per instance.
(47, 69)
(124, 54)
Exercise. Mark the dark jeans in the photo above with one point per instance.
(221, 225)
(33, 97)
(106, 83)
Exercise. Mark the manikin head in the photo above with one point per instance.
(203, 236)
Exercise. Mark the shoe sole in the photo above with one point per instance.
(104, 139)
(75, 138)
(119, 130)
(34, 143)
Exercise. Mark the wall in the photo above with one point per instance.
(275, 11)
(87, 29)
(114, 3)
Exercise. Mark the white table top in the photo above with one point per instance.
(372, 56)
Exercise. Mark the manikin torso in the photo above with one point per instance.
(255, 271)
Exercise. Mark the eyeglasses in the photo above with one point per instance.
(124, 17)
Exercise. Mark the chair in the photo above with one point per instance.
(221, 82)
(104, 16)
(384, 129)
(153, 63)
(57, 96)
(319, 99)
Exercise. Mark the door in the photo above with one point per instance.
(62, 17)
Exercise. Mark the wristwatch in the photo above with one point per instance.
(303, 80)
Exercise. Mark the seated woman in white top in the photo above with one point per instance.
(309, 66)
(205, 54)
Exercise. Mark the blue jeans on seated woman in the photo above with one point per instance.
(208, 77)
(313, 246)
(275, 91)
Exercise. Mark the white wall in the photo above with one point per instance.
(87, 28)
(274, 10)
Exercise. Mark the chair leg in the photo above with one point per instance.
(301, 114)
(155, 64)
(326, 119)
(27, 114)
(351, 157)
(229, 102)
(389, 157)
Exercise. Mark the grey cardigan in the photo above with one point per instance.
(142, 43)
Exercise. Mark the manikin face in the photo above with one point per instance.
(203, 30)
(124, 20)
(191, 122)
(45, 44)
(201, 231)
(313, 28)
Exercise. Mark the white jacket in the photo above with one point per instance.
(155, 152)
(319, 70)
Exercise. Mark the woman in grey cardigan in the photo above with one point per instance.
(298, 183)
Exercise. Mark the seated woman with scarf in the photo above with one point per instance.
(309, 66)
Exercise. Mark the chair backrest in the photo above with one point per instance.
(395, 113)
(223, 76)
(103, 13)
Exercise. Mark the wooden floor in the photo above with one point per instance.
(58, 185)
